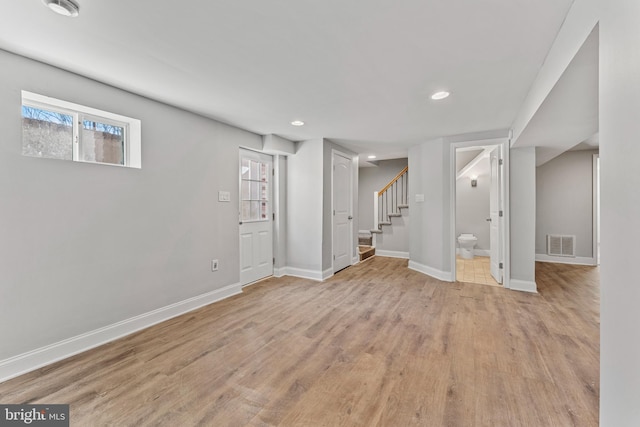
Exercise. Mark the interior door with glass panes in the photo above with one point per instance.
(256, 220)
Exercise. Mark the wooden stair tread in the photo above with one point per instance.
(366, 251)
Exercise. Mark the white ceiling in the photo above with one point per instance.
(568, 117)
(358, 72)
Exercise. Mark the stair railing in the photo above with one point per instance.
(393, 197)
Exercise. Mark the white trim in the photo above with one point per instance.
(566, 260)
(392, 254)
(303, 273)
(32, 360)
(595, 177)
(523, 286)
(279, 272)
(355, 260)
(445, 276)
(328, 273)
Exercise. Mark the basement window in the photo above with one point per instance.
(56, 129)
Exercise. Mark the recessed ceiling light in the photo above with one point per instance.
(440, 95)
(297, 123)
(371, 157)
(63, 7)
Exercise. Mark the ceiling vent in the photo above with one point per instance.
(558, 245)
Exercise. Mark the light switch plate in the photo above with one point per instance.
(224, 196)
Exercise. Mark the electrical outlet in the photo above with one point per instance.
(214, 265)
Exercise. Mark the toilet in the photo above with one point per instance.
(467, 242)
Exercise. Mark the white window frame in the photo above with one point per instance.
(132, 127)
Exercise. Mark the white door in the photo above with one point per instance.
(495, 214)
(342, 233)
(256, 222)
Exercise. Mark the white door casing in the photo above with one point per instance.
(342, 216)
(256, 216)
(495, 210)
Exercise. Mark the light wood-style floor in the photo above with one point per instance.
(378, 344)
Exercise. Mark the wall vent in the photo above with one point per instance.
(558, 245)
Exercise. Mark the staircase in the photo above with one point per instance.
(365, 247)
(388, 204)
(389, 201)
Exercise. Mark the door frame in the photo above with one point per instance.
(505, 144)
(335, 152)
(596, 211)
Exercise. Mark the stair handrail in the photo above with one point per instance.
(386, 187)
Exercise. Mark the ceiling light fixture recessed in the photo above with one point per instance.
(297, 123)
(63, 7)
(371, 157)
(440, 95)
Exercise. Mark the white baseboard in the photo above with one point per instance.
(445, 276)
(32, 360)
(304, 274)
(392, 254)
(523, 285)
(327, 273)
(355, 260)
(565, 260)
(477, 252)
(279, 272)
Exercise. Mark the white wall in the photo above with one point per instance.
(280, 206)
(472, 207)
(429, 244)
(371, 179)
(84, 246)
(523, 217)
(620, 212)
(304, 207)
(564, 200)
(309, 213)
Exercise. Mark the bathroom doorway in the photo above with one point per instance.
(479, 214)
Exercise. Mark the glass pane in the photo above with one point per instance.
(47, 133)
(263, 210)
(102, 143)
(264, 172)
(245, 168)
(255, 190)
(245, 188)
(246, 211)
(264, 195)
(255, 210)
(255, 168)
